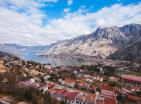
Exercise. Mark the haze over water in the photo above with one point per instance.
(53, 61)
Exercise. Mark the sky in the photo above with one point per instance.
(42, 22)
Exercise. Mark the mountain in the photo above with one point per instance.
(101, 43)
(2, 54)
(19, 49)
(129, 53)
(121, 43)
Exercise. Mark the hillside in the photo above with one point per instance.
(101, 43)
(130, 53)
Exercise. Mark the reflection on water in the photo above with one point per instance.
(53, 61)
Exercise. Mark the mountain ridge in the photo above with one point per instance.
(101, 43)
(105, 42)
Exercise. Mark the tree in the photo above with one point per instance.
(11, 77)
(109, 70)
(121, 98)
(42, 79)
(62, 102)
(47, 98)
(93, 68)
(27, 95)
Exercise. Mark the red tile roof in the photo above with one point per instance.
(81, 97)
(51, 91)
(72, 95)
(110, 101)
(106, 87)
(100, 101)
(134, 98)
(132, 78)
(90, 98)
(69, 81)
(60, 91)
(50, 85)
(65, 93)
(135, 88)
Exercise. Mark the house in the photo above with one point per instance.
(51, 85)
(58, 94)
(43, 87)
(90, 99)
(107, 91)
(134, 98)
(80, 99)
(70, 98)
(69, 83)
(113, 79)
(100, 100)
(99, 78)
(34, 72)
(46, 86)
(110, 101)
(46, 76)
(86, 99)
(48, 66)
(81, 85)
(64, 95)
(136, 80)
(135, 88)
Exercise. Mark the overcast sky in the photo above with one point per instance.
(41, 22)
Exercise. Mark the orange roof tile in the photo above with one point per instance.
(106, 87)
(134, 98)
(72, 95)
(69, 81)
(132, 78)
(90, 98)
(110, 101)
(135, 88)
(60, 91)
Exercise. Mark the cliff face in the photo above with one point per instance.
(101, 43)
(129, 53)
(121, 43)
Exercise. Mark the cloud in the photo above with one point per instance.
(82, 22)
(26, 27)
(27, 6)
(66, 10)
(70, 2)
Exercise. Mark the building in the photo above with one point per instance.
(4, 101)
(136, 80)
(134, 98)
(71, 97)
(107, 91)
(86, 99)
(69, 83)
(58, 94)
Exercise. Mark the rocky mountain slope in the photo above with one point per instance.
(123, 43)
(19, 49)
(129, 53)
(101, 43)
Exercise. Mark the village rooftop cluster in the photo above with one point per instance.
(102, 83)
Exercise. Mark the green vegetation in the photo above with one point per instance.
(93, 68)
(134, 73)
(53, 77)
(109, 70)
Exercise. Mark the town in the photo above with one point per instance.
(28, 82)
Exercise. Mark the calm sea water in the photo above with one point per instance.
(53, 61)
